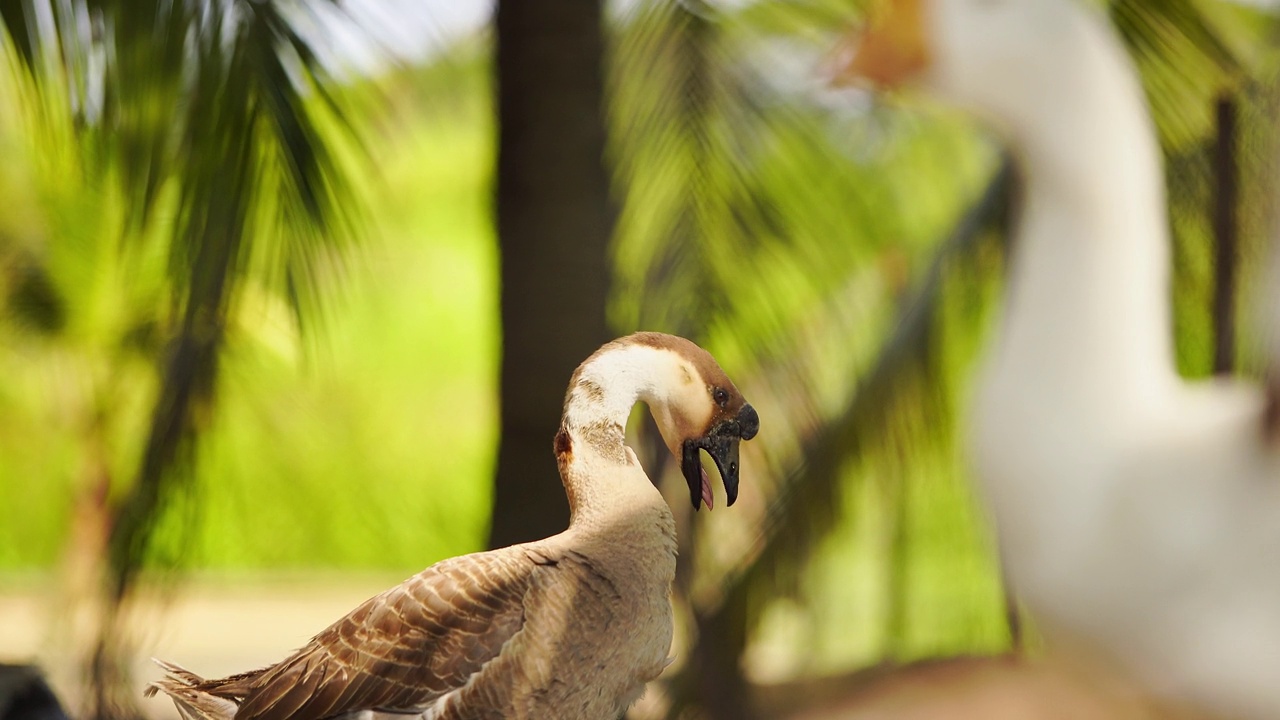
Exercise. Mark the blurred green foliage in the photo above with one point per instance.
(366, 444)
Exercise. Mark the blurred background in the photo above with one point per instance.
(291, 290)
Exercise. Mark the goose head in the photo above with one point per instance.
(1019, 64)
(693, 402)
(697, 407)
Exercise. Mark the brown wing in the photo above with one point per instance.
(400, 650)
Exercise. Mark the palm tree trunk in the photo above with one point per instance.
(1225, 235)
(554, 221)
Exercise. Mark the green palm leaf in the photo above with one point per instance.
(211, 112)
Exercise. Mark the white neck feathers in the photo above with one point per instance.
(609, 384)
(1088, 298)
(597, 468)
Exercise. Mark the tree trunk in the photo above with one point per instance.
(554, 221)
(1226, 252)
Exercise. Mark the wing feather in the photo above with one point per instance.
(400, 650)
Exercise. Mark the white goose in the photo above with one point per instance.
(571, 627)
(1137, 512)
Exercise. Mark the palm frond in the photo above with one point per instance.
(213, 113)
(906, 365)
(1187, 53)
(249, 133)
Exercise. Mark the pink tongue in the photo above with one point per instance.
(706, 490)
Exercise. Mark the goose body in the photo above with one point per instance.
(1138, 514)
(570, 627)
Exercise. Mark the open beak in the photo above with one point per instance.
(888, 52)
(721, 443)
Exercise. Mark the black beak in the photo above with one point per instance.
(721, 443)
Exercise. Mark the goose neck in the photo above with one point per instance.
(1088, 289)
(601, 475)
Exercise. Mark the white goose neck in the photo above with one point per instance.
(1088, 301)
(607, 387)
(602, 476)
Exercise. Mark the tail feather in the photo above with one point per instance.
(182, 686)
(178, 673)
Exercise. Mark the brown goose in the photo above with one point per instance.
(570, 627)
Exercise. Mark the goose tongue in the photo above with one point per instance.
(707, 497)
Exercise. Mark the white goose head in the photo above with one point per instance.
(695, 405)
(1021, 64)
(1088, 291)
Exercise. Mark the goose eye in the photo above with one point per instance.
(721, 396)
